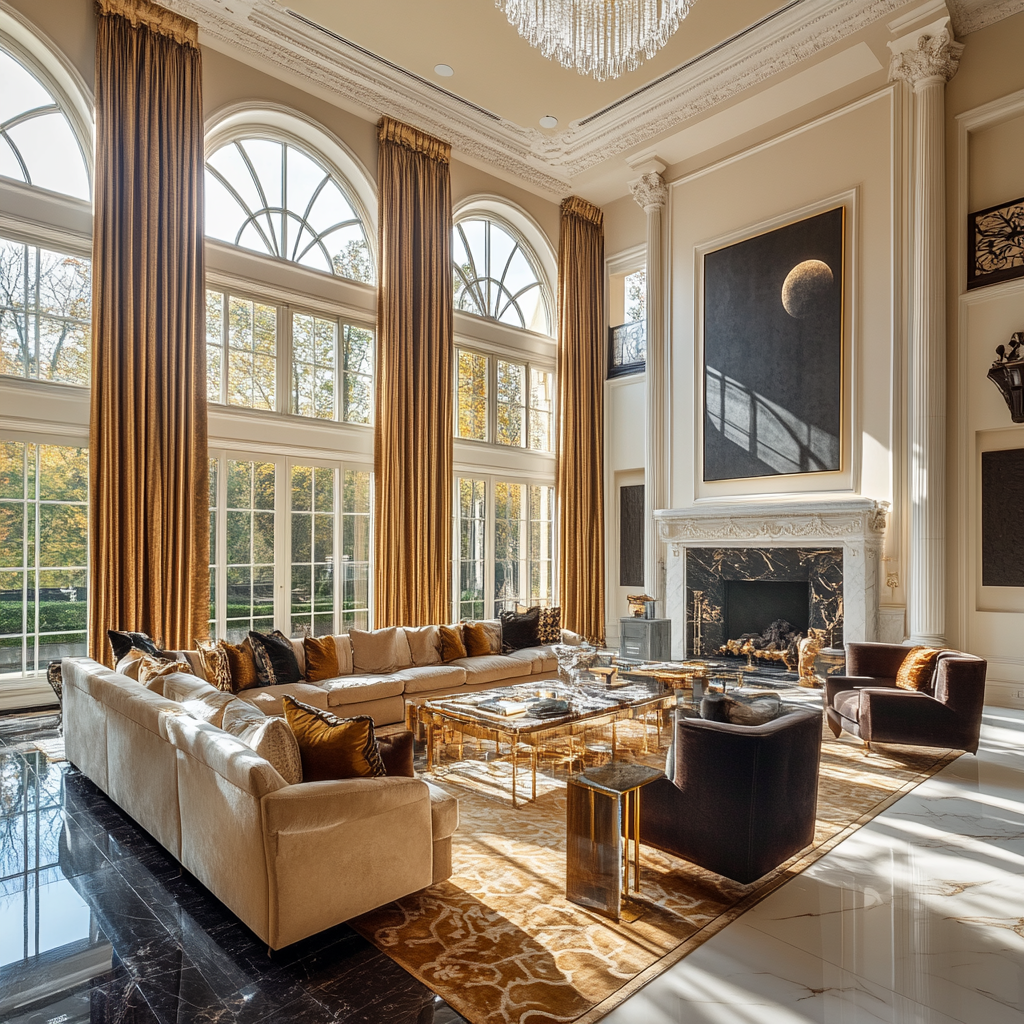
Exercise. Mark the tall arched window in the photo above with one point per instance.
(280, 200)
(38, 145)
(496, 275)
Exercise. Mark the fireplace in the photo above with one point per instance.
(832, 547)
(733, 591)
(751, 606)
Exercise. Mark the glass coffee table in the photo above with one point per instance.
(586, 707)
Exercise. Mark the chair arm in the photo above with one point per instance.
(905, 716)
(839, 684)
(312, 806)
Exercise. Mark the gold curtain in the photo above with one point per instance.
(581, 418)
(413, 437)
(149, 493)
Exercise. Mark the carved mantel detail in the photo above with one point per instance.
(650, 191)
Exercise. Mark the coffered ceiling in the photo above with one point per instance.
(732, 64)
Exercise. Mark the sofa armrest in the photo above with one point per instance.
(311, 806)
(905, 716)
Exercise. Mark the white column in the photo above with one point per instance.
(927, 59)
(650, 192)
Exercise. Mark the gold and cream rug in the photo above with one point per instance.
(502, 945)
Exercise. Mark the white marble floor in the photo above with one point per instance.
(918, 918)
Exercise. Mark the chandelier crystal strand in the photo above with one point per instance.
(602, 38)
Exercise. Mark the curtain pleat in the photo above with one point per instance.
(581, 418)
(413, 434)
(149, 493)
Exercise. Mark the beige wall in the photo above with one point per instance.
(989, 621)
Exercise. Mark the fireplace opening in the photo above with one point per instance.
(751, 606)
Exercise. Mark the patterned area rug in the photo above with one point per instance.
(502, 945)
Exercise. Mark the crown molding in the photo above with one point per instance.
(972, 15)
(268, 31)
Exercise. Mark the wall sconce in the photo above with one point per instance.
(1007, 373)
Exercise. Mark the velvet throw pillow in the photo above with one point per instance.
(275, 658)
(519, 631)
(321, 658)
(332, 747)
(549, 626)
(122, 641)
(242, 663)
(450, 643)
(481, 638)
(918, 668)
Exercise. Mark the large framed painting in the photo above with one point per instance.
(773, 351)
(995, 244)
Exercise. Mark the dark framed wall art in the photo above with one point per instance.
(773, 351)
(995, 244)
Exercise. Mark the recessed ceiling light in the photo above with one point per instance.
(443, 70)
(547, 121)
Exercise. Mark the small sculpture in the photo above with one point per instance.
(638, 604)
(808, 650)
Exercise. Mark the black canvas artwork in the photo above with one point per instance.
(1002, 499)
(773, 352)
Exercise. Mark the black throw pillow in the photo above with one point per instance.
(122, 641)
(275, 658)
(519, 630)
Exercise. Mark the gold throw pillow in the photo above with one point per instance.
(321, 658)
(153, 670)
(332, 747)
(918, 668)
(481, 637)
(216, 665)
(450, 642)
(243, 665)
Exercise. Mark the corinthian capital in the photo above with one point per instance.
(649, 190)
(933, 56)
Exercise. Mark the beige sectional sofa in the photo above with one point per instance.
(289, 860)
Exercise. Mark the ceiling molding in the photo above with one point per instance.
(269, 32)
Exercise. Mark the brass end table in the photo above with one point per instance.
(602, 814)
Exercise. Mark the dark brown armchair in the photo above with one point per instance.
(740, 799)
(867, 702)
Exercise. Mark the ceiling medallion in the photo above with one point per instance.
(603, 38)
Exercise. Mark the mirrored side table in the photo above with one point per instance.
(602, 816)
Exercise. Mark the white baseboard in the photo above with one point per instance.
(1004, 695)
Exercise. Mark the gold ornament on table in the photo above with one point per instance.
(638, 604)
(808, 649)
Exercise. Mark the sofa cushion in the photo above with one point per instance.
(209, 707)
(182, 686)
(432, 677)
(482, 637)
(332, 747)
(268, 698)
(271, 738)
(378, 650)
(444, 813)
(424, 644)
(275, 658)
(847, 703)
(321, 658)
(490, 668)
(541, 659)
(450, 642)
(356, 688)
(154, 671)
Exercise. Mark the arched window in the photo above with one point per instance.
(275, 198)
(38, 144)
(496, 275)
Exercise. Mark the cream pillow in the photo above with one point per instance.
(210, 707)
(269, 737)
(130, 664)
(152, 672)
(343, 647)
(376, 650)
(424, 644)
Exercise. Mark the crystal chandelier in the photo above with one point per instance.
(603, 38)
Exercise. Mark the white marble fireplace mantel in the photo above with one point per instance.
(857, 525)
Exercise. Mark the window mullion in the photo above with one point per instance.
(222, 544)
(283, 365)
(283, 544)
(490, 546)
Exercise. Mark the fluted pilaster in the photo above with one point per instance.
(650, 192)
(927, 62)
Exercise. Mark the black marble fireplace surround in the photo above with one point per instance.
(709, 569)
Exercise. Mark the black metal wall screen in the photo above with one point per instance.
(631, 536)
(1002, 510)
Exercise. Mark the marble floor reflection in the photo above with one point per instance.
(98, 924)
(918, 918)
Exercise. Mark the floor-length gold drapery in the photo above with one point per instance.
(581, 418)
(149, 518)
(413, 439)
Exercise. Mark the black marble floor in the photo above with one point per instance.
(98, 924)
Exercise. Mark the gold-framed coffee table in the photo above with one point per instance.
(590, 707)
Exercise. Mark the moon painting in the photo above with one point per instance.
(773, 352)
